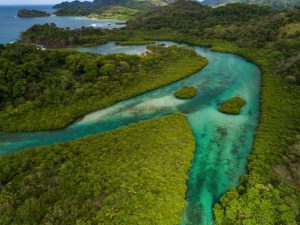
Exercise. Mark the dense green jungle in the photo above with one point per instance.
(111, 178)
(49, 89)
(32, 13)
(279, 4)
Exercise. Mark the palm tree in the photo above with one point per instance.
(112, 213)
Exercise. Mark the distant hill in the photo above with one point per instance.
(139, 4)
(273, 3)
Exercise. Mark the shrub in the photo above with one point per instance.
(232, 106)
(186, 92)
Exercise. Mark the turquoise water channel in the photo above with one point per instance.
(223, 142)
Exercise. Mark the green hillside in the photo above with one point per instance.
(273, 3)
(142, 4)
(111, 9)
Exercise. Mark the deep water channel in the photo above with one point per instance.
(223, 142)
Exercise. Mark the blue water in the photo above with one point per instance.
(223, 142)
(11, 26)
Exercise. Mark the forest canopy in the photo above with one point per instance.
(271, 39)
(32, 13)
(118, 177)
(232, 105)
(49, 89)
(186, 92)
(249, 26)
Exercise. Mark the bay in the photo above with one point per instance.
(11, 26)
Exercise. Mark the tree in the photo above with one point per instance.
(19, 88)
(261, 204)
(107, 69)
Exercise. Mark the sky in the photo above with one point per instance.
(31, 2)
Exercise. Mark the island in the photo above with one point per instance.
(186, 92)
(232, 106)
(32, 13)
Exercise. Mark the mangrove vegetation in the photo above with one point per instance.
(118, 177)
(269, 193)
(232, 106)
(50, 89)
(186, 92)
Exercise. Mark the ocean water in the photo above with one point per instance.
(223, 142)
(11, 26)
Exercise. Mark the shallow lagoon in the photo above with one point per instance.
(223, 142)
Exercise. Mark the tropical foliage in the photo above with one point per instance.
(271, 39)
(51, 35)
(32, 13)
(272, 3)
(264, 202)
(274, 160)
(49, 89)
(186, 92)
(119, 177)
(249, 26)
(115, 12)
(119, 9)
(232, 106)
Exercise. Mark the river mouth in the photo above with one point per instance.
(223, 142)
